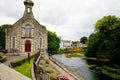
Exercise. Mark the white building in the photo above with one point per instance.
(65, 43)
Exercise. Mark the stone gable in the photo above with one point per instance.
(27, 34)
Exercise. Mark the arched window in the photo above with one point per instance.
(28, 31)
(28, 10)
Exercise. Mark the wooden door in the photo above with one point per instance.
(27, 46)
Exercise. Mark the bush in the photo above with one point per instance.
(77, 50)
(42, 57)
(110, 74)
(40, 70)
(3, 58)
(47, 61)
(42, 62)
(63, 50)
(20, 61)
(50, 70)
(74, 55)
(53, 76)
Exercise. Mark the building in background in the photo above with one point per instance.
(65, 44)
(79, 44)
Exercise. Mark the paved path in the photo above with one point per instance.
(7, 73)
(61, 70)
(11, 57)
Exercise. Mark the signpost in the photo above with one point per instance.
(29, 57)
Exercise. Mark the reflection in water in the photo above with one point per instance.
(78, 64)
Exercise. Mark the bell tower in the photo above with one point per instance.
(28, 8)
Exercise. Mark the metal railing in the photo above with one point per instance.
(36, 66)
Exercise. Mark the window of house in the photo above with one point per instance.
(13, 42)
(28, 31)
(40, 42)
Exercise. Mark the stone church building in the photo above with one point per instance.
(27, 34)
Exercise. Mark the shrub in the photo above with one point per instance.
(112, 75)
(77, 50)
(53, 76)
(42, 62)
(40, 70)
(20, 61)
(3, 58)
(47, 61)
(50, 70)
(42, 57)
(74, 55)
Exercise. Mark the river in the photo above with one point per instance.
(77, 64)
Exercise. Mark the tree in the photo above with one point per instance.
(105, 40)
(53, 42)
(74, 43)
(83, 40)
(2, 35)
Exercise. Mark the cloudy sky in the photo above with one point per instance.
(70, 19)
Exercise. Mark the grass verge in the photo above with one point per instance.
(25, 68)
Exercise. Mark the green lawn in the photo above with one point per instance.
(25, 68)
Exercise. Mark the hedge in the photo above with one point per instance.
(22, 60)
(3, 58)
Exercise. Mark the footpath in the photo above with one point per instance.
(7, 73)
(11, 57)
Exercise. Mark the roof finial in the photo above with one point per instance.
(28, 7)
(28, 0)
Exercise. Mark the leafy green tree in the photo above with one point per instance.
(53, 42)
(74, 43)
(2, 35)
(83, 40)
(105, 40)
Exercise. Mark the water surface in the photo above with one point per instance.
(77, 64)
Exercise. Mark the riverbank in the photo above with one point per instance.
(81, 55)
(91, 68)
(111, 71)
(68, 70)
(62, 69)
(108, 71)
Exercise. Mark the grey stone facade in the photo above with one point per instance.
(27, 34)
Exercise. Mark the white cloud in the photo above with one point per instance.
(70, 19)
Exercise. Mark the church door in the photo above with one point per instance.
(27, 46)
